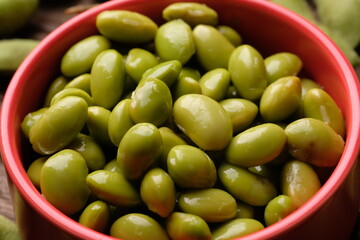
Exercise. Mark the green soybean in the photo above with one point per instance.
(30, 119)
(96, 216)
(56, 86)
(278, 208)
(170, 139)
(231, 34)
(185, 85)
(167, 72)
(236, 228)
(72, 92)
(98, 124)
(81, 82)
(139, 60)
(215, 83)
(34, 171)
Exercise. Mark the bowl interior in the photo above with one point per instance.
(267, 27)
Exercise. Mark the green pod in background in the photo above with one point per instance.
(30, 119)
(256, 145)
(119, 121)
(90, 150)
(280, 99)
(313, 141)
(140, 147)
(58, 125)
(56, 86)
(215, 83)
(245, 210)
(299, 181)
(170, 139)
(80, 57)
(113, 188)
(72, 92)
(247, 72)
(98, 124)
(190, 167)
(211, 204)
(203, 120)
(174, 41)
(81, 82)
(167, 72)
(213, 50)
(34, 171)
(185, 85)
(157, 191)
(242, 112)
(282, 64)
(107, 78)
(187, 226)
(278, 208)
(236, 228)
(63, 181)
(231, 34)
(246, 186)
(137, 226)
(96, 216)
(139, 60)
(191, 12)
(151, 102)
(320, 105)
(126, 26)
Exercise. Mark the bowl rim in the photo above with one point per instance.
(18, 175)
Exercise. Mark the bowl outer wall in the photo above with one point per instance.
(338, 199)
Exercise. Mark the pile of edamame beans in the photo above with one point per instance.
(180, 130)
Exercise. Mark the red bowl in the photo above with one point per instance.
(330, 214)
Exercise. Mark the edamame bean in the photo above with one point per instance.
(34, 171)
(138, 61)
(126, 26)
(315, 142)
(30, 119)
(278, 208)
(191, 12)
(185, 85)
(58, 125)
(113, 188)
(63, 181)
(174, 41)
(211, 204)
(81, 56)
(245, 210)
(231, 34)
(236, 228)
(203, 120)
(213, 50)
(137, 226)
(246, 186)
(107, 78)
(72, 92)
(170, 139)
(188, 226)
(158, 192)
(215, 83)
(98, 124)
(56, 86)
(190, 167)
(247, 72)
(81, 82)
(96, 216)
(167, 72)
(255, 146)
(299, 181)
(140, 147)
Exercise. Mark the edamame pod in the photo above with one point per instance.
(315, 142)
(247, 72)
(126, 26)
(59, 125)
(174, 41)
(81, 56)
(299, 181)
(63, 181)
(140, 147)
(255, 146)
(157, 191)
(203, 120)
(211, 204)
(107, 78)
(191, 12)
(112, 187)
(191, 167)
(187, 226)
(246, 186)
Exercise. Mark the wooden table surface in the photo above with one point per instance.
(50, 15)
